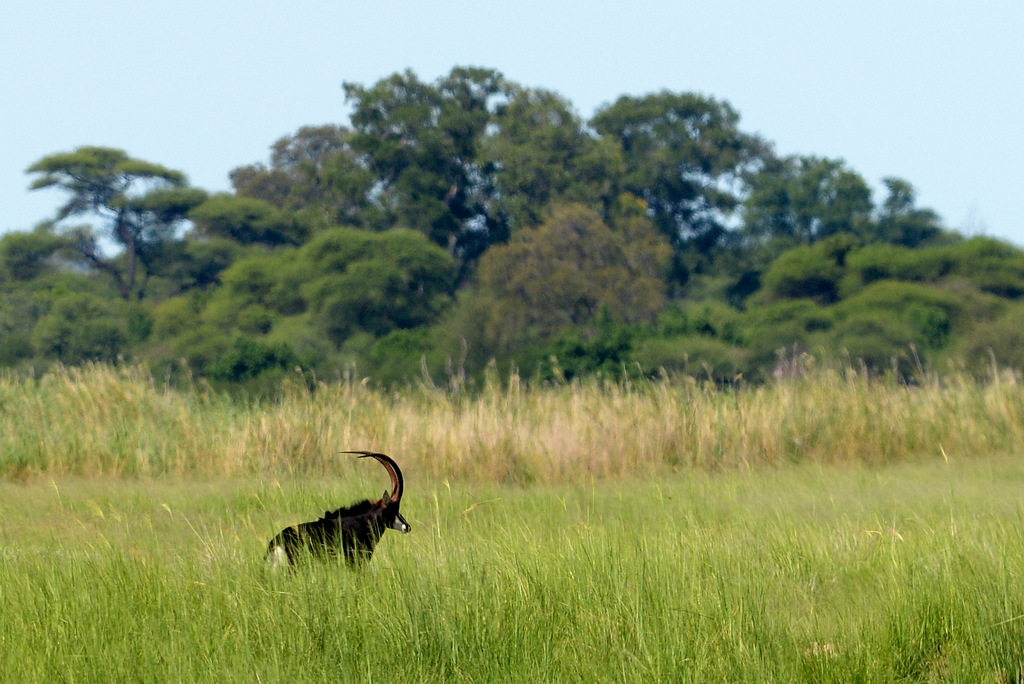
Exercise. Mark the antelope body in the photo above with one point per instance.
(353, 531)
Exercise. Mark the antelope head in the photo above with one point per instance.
(389, 503)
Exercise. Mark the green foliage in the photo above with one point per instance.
(681, 152)
(888, 262)
(80, 328)
(202, 346)
(486, 225)
(248, 358)
(19, 313)
(994, 265)
(900, 221)
(174, 316)
(316, 175)
(420, 141)
(247, 221)
(710, 319)
(398, 358)
(340, 283)
(540, 151)
(800, 200)
(562, 273)
(141, 205)
(930, 313)
(992, 344)
(878, 342)
(606, 352)
(811, 272)
(375, 282)
(196, 264)
(96, 176)
(26, 256)
(696, 356)
(782, 325)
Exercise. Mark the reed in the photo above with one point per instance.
(117, 421)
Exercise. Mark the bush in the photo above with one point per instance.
(878, 341)
(928, 313)
(999, 342)
(248, 358)
(888, 262)
(781, 325)
(201, 346)
(693, 355)
(398, 356)
(993, 265)
(606, 351)
(811, 272)
(375, 282)
(174, 316)
(81, 328)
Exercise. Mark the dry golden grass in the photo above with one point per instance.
(102, 420)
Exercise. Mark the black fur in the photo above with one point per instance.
(352, 530)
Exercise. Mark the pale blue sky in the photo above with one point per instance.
(931, 91)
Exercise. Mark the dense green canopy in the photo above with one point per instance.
(453, 224)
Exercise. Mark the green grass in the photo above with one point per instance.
(801, 573)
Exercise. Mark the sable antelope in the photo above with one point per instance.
(353, 531)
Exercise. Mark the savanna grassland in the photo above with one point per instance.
(828, 528)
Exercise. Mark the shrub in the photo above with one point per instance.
(606, 351)
(82, 327)
(783, 324)
(174, 316)
(248, 358)
(996, 343)
(692, 355)
(398, 356)
(811, 272)
(928, 313)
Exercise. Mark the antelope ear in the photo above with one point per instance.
(387, 497)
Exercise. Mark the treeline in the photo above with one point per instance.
(471, 222)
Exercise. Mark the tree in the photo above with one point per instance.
(247, 221)
(685, 157)
(24, 256)
(537, 151)
(141, 204)
(82, 327)
(799, 200)
(375, 282)
(562, 273)
(900, 221)
(420, 143)
(314, 172)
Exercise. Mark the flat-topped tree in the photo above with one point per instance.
(139, 205)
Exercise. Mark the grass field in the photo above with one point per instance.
(829, 529)
(907, 572)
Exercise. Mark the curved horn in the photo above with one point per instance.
(397, 483)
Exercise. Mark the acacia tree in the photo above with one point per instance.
(140, 206)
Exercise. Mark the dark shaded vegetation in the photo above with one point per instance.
(472, 221)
